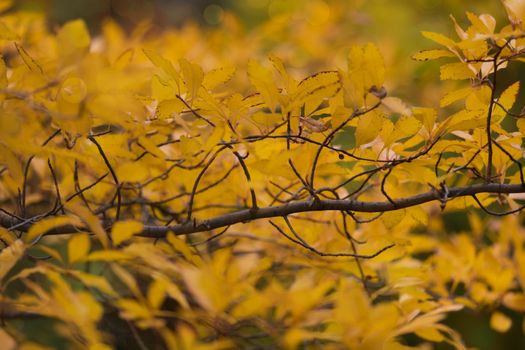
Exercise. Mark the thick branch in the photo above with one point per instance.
(246, 215)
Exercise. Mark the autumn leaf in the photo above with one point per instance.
(124, 230)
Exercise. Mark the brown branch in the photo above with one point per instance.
(195, 113)
(197, 180)
(246, 215)
(489, 115)
(493, 213)
(113, 174)
(383, 182)
(26, 172)
(514, 160)
(298, 240)
(58, 201)
(248, 177)
(331, 135)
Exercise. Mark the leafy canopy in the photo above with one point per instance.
(185, 189)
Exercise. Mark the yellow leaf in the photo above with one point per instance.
(127, 278)
(78, 247)
(515, 10)
(132, 310)
(453, 96)
(440, 39)
(426, 55)
(431, 334)
(73, 90)
(5, 5)
(124, 59)
(157, 293)
(406, 126)
(123, 230)
(392, 218)
(515, 301)
(217, 77)
(267, 119)
(8, 343)
(313, 90)
(507, 98)
(165, 65)
(261, 78)
(426, 320)
(7, 236)
(193, 77)
(427, 116)
(189, 145)
(500, 322)
(9, 256)
(176, 294)
(464, 120)
(99, 346)
(8, 158)
(478, 99)
(73, 40)
(374, 60)
(90, 308)
(455, 71)
(161, 89)
(43, 226)
(484, 23)
(7, 33)
(94, 281)
(396, 105)
(368, 127)
(180, 246)
(418, 213)
(31, 63)
(521, 126)
(290, 84)
(166, 108)
(386, 131)
(132, 172)
(3, 73)
(91, 220)
(151, 147)
(74, 33)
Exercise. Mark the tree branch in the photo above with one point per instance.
(246, 215)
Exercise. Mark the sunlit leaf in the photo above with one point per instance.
(368, 127)
(217, 77)
(261, 78)
(453, 96)
(192, 75)
(455, 71)
(166, 108)
(439, 38)
(124, 230)
(500, 322)
(47, 224)
(426, 55)
(132, 172)
(9, 256)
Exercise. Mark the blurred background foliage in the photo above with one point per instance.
(394, 26)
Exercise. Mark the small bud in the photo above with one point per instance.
(379, 93)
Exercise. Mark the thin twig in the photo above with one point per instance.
(113, 174)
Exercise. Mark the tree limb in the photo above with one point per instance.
(246, 215)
